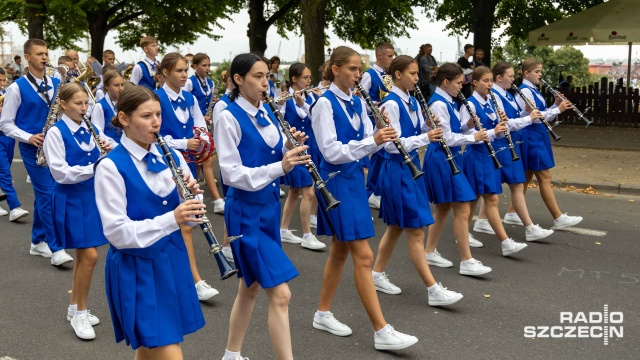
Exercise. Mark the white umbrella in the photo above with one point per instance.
(613, 22)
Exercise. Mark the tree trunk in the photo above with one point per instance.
(484, 13)
(313, 18)
(258, 28)
(36, 11)
(98, 30)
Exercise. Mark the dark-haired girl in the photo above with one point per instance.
(296, 111)
(345, 136)
(403, 199)
(253, 156)
(105, 109)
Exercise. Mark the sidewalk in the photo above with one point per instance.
(607, 159)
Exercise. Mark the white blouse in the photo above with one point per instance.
(410, 141)
(183, 117)
(549, 114)
(517, 123)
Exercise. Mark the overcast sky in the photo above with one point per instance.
(234, 41)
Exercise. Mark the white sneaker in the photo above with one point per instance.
(218, 206)
(483, 226)
(28, 179)
(393, 340)
(384, 285)
(442, 297)
(228, 254)
(313, 220)
(436, 259)
(331, 324)
(288, 237)
(3, 212)
(82, 327)
(536, 233)
(312, 243)
(18, 213)
(473, 267)
(41, 249)
(282, 193)
(60, 257)
(511, 247)
(512, 219)
(205, 291)
(565, 221)
(93, 320)
(374, 202)
(473, 242)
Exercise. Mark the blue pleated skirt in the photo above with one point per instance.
(351, 220)
(442, 186)
(536, 148)
(481, 173)
(258, 254)
(298, 177)
(403, 201)
(512, 172)
(76, 219)
(373, 173)
(153, 301)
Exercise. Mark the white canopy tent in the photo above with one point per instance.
(610, 23)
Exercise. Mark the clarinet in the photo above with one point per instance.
(94, 135)
(226, 270)
(432, 124)
(415, 172)
(328, 198)
(476, 120)
(555, 136)
(556, 93)
(507, 134)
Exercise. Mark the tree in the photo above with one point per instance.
(263, 14)
(519, 16)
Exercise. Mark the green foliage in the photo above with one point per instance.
(217, 75)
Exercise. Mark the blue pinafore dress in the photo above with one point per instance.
(111, 131)
(512, 172)
(299, 177)
(536, 146)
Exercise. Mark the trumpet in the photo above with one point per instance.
(476, 120)
(557, 94)
(288, 95)
(507, 134)
(546, 124)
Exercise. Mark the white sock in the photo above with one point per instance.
(313, 216)
(502, 241)
(376, 275)
(529, 227)
(230, 355)
(322, 313)
(73, 307)
(433, 288)
(383, 330)
(282, 231)
(307, 235)
(81, 312)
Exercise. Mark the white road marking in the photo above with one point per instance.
(582, 231)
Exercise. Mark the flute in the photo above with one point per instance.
(476, 120)
(555, 136)
(507, 134)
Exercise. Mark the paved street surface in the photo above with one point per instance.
(568, 272)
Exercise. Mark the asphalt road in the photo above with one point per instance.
(567, 272)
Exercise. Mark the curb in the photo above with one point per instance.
(622, 189)
(593, 147)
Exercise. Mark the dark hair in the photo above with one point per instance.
(383, 45)
(323, 68)
(479, 72)
(108, 68)
(170, 61)
(2, 72)
(500, 69)
(199, 57)
(339, 57)
(400, 63)
(467, 47)
(448, 71)
(241, 65)
(32, 42)
(296, 70)
(273, 59)
(108, 52)
(109, 76)
(479, 50)
(16, 57)
(130, 98)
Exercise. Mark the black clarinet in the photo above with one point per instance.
(226, 270)
(415, 172)
(432, 124)
(476, 120)
(507, 134)
(556, 93)
(555, 136)
(313, 170)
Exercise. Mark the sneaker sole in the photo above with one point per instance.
(444, 303)
(334, 332)
(205, 298)
(390, 292)
(511, 252)
(565, 226)
(512, 222)
(540, 237)
(92, 323)
(291, 241)
(474, 273)
(221, 212)
(38, 253)
(19, 217)
(478, 245)
(83, 337)
(441, 265)
(485, 231)
(313, 247)
(396, 346)
(62, 263)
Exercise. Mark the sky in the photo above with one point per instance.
(234, 41)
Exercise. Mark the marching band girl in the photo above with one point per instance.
(296, 112)
(66, 146)
(105, 109)
(445, 190)
(180, 114)
(512, 172)
(253, 156)
(403, 199)
(537, 155)
(152, 300)
(484, 178)
(345, 136)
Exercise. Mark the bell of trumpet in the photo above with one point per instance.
(93, 81)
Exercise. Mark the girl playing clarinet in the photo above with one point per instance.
(105, 109)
